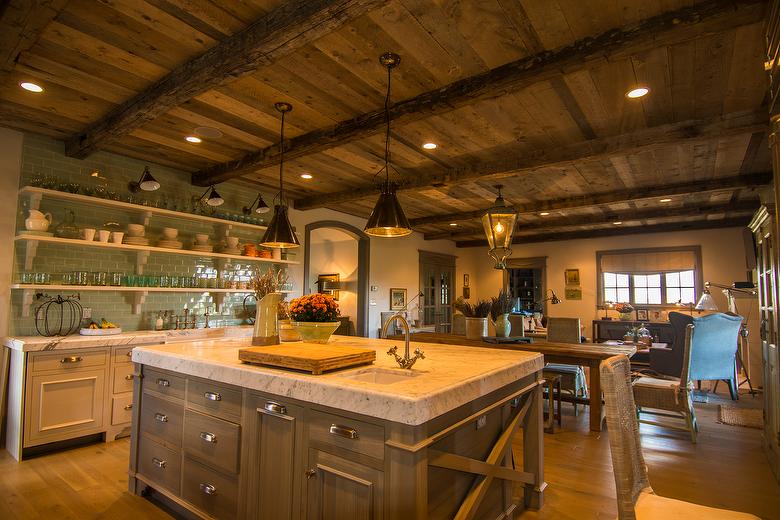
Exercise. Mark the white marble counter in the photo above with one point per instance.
(448, 377)
(141, 337)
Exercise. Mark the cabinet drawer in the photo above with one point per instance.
(122, 409)
(123, 378)
(211, 440)
(68, 360)
(122, 355)
(214, 399)
(350, 434)
(159, 464)
(164, 383)
(162, 418)
(208, 490)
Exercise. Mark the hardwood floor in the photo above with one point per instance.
(725, 469)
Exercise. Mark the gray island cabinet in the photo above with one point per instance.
(215, 438)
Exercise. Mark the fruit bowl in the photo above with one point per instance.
(100, 332)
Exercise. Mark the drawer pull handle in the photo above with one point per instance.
(213, 396)
(128, 407)
(208, 437)
(310, 474)
(161, 417)
(276, 408)
(129, 353)
(163, 382)
(71, 359)
(129, 377)
(159, 463)
(208, 489)
(343, 431)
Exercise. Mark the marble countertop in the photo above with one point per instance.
(141, 337)
(449, 376)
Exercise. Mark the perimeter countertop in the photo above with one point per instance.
(448, 377)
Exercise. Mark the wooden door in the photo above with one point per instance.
(339, 488)
(437, 283)
(763, 229)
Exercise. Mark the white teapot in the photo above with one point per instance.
(37, 221)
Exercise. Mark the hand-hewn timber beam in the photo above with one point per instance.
(613, 197)
(282, 31)
(22, 22)
(666, 29)
(686, 132)
(554, 224)
(620, 230)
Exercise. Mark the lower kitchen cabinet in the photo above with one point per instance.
(339, 488)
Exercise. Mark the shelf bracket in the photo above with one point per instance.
(28, 295)
(140, 261)
(137, 298)
(30, 250)
(219, 299)
(143, 218)
(35, 200)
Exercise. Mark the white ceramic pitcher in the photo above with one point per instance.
(37, 221)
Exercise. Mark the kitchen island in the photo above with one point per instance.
(223, 439)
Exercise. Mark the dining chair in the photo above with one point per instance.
(566, 330)
(636, 499)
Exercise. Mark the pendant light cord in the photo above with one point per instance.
(387, 130)
(281, 163)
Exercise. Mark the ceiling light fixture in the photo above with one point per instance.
(618, 222)
(145, 183)
(388, 219)
(544, 213)
(453, 224)
(262, 207)
(665, 200)
(280, 232)
(637, 92)
(208, 132)
(193, 139)
(31, 87)
(306, 176)
(499, 224)
(430, 146)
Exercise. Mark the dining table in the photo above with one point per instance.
(582, 354)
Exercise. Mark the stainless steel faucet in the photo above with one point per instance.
(407, 361)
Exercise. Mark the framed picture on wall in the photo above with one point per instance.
(397, 299)
(641, 315)
(572, 276)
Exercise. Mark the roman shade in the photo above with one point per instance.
(651, 261)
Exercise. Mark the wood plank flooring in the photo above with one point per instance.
(725, 469)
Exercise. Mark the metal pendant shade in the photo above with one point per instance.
(706, 302)
(499, 225)
(388, 219)
(280, 232)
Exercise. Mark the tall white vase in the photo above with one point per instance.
(266, 327)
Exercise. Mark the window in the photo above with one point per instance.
(657, 276)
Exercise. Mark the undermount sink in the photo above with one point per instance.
(381, 376)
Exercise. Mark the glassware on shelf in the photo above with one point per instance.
(80, 277)
(115, 279)
(42, 278)
(99, 278)
(165, 281)
(174, 281)
(26, 278)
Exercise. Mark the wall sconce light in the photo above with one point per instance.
(262, 207)
(145, 183)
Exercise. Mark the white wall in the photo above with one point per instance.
(10, 170)
(335, 252)
(723, 261)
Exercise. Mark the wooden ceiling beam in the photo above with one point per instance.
(666, 29)
(620, 231)
(22, 21)
(663, 211)
(282, 31)
(614, 197)
(684, 133)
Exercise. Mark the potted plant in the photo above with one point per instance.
(476, 317)
(500, 308)
(315, 317)
(266, 287)
(624, 310)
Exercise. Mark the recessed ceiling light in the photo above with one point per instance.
(208, 132)
(637, 92)
(618, 222)
(544, 213)
(665, 200)
(430, 146)
(193, 139)
(306, 176)
(453, 224)
(32, 87)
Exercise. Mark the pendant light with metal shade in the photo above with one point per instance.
(214, 199)
(145, 183)
(388, 219)
(499, 224)
(280, 233)
(262, 207)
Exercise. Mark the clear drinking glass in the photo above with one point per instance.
(115, 279)
(99, 278)
(81, 277)
(42, 278)
(165, 281)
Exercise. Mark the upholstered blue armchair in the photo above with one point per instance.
(715, 356)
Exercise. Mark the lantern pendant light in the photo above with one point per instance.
(499, 223)
(280, 233)
(388, 219)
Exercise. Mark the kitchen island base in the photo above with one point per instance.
(220, 451)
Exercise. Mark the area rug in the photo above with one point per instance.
(747, 417)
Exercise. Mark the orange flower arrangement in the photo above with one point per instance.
(314, 307)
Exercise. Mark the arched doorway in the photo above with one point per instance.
(363, 260)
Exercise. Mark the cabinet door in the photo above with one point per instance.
(65, 405)
(275, 472)
(339, 489)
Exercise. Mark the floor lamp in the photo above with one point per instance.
(707, 303)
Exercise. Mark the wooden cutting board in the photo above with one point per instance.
(309, 357)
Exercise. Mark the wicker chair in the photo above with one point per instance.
(635, 497)
(566, 330)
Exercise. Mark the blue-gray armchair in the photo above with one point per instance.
(716, 358)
